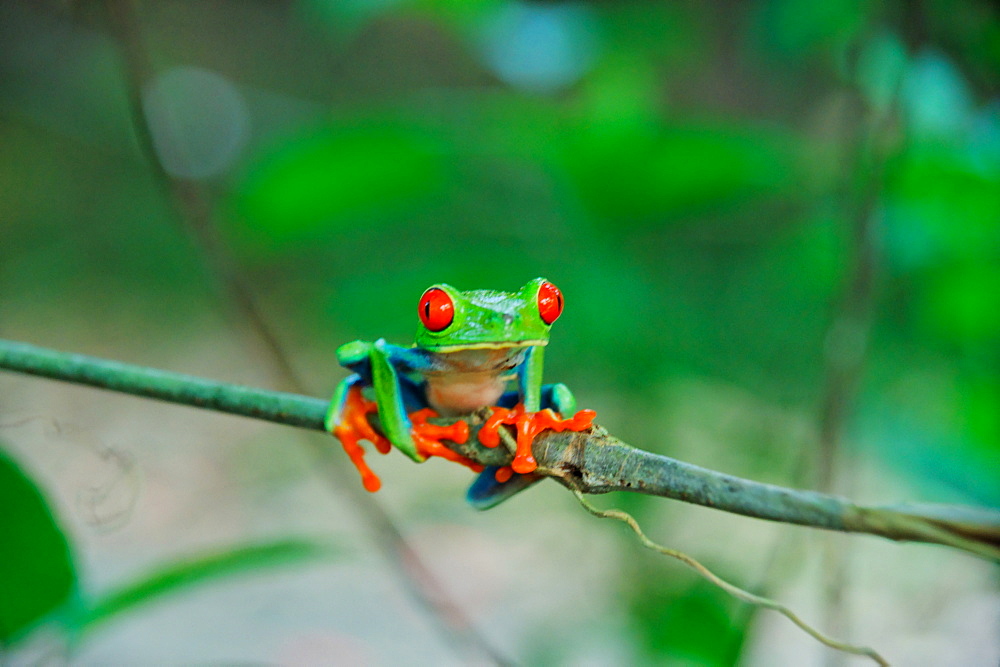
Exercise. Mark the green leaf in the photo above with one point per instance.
(684, 626)
(651, 173)
(37, 574)
(340, 177)
(195, 571)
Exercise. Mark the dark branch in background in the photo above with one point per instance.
(233, 289)
(592, 461)
(847, 340)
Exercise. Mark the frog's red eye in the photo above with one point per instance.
(436, 309)
(550, 302)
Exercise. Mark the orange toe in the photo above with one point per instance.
(353, 428)
(528, 425)
(428, 438)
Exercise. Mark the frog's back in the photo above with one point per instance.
(351, 354)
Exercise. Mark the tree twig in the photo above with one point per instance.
(592, 461)
(847, 340)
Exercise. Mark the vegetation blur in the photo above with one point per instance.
(776, 225)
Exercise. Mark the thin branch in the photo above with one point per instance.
(188, 198)
(592, 461)
(847, 339)
(280, 407)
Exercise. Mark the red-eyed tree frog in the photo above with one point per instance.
(469, 346)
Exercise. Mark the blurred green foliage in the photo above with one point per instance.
(339, 178)
(686, 172)
(36, 566)
(692, 626)
(38, 569)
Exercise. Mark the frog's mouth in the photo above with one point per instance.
(480, 358)
(506, 345)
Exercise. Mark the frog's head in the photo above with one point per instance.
(451, 320)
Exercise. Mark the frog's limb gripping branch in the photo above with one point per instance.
(591, 461)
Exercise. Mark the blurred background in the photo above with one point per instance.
(776, 225)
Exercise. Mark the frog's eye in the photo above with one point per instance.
(436, 309)
(550, 302)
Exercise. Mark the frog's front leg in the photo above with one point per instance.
(496, 484)
(347, 417)
(389, 397)
(556, 400)
(535, 412)
(412, 434)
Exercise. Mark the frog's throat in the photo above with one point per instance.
(505, 345)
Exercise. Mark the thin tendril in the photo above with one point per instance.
(732, 589)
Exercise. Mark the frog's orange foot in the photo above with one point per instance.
(528, 425)
(428, 437)
(353, 428)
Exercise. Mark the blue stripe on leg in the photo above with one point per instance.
(335, 413)
(487, 492)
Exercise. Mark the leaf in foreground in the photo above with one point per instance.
(199, 570)
(37, 574)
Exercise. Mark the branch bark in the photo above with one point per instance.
(591, 461)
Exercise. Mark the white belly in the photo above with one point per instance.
(453, 394)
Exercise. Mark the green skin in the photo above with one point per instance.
(494, 338)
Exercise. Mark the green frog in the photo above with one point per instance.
(469, 348)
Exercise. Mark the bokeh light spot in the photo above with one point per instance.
(199, 121)
(540, 47)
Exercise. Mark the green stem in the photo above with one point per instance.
(616, 466)
(592, 461)
(283, 408)
(597, 462)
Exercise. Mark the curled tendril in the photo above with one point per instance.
(106, 503)
(732, 589)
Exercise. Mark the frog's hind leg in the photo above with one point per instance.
(496, 484)
(487, 491)
(556, 397)
(338, 403)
